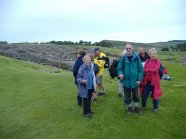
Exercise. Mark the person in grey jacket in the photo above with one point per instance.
(86, 84)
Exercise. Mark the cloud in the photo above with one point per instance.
(92, 19)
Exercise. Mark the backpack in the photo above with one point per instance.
(96, 68)
(106, 59)
(113, 70)
(161, 71)
(106, 62)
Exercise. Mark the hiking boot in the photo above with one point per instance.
(129, 110)
(155, 110)
(137, 110)
(92, 112)
(143, 109)
(101, 94)
(88, 115)
(119, 95)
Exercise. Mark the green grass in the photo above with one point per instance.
(37, 103)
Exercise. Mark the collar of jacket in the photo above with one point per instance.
(91, 65)
(80, 57)
(134, 56)
(101, 54)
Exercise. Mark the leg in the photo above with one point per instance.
(155, 102)
(89, 99)
(79, 99)
(127, 92)
(135, 96)
(120, 88)
(85, 106)
(101, 84)
(102, 88)
(145, 94)
(98, 83)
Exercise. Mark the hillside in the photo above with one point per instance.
(137, 44)
(38, 103)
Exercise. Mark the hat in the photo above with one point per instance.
(96, 49)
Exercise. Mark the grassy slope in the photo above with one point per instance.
(138, 44)
(37, 103)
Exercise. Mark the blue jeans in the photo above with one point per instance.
(146, 91)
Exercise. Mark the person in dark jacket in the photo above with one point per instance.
(80, 54)
(86, 81)
(143, 55)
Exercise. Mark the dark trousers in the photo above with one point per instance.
(79, 99)
(87, 102)
(127, 92)
(146, 91)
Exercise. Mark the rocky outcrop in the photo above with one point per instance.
(46, 54)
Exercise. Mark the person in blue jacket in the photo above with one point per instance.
(86, 81)
(80, 54)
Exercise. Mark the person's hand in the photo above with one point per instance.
(121, 76)
(84, 81)
(138, 83)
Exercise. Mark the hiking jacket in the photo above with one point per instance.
(77, 65)
(151, 70)
(100, 61)
(132, 71)
(83, 75)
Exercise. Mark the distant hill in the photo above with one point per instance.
(138, 44)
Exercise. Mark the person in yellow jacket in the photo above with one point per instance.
(100, 61)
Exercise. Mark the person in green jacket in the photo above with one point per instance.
(130, 72)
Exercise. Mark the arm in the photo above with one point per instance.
(120, 67)
(75, 69)
(154, 70)
(80, 75)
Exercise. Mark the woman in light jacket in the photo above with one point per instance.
(151, 80)
(86, 84)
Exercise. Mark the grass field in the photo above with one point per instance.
(37, 103)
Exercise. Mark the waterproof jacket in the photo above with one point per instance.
(132, 71)
(77, 65)
(83, 75)
(151, 70)
(100, 61)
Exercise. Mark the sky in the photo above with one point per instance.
(92, 20)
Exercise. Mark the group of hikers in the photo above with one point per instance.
(135, 72)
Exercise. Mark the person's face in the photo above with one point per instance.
(92, 56)
(141, 51)
(97, 53)
(129, 49)
(153, 55)
(78, 55)
(87, 62)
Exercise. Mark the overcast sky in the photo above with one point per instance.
(94, 20)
